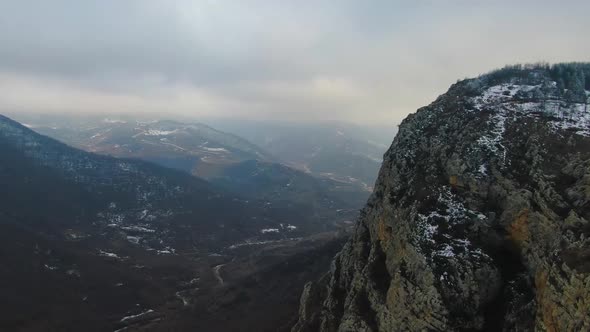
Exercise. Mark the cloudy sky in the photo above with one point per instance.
(367, 62)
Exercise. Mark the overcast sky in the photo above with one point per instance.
(361, 61)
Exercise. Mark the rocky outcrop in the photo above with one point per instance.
(479, 217)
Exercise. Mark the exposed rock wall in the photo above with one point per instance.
(478, 220)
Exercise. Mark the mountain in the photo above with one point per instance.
(479, 217)
(191, 147)
(120, 192)
(91, 242)
(345, 153)
(277, 182)
(224, 159)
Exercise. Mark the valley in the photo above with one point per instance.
(132, 245)
(221, 158)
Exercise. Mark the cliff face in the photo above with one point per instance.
(479, 217)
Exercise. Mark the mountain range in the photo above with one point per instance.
(120, 241)
(219, 157)
(341, 152)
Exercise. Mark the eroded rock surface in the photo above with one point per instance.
(479, 217)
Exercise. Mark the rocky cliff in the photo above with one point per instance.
(479, 217)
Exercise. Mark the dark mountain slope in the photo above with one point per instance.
(260, 291)
(340, 152)
(121, 193)
(277, 182)
(94, 243)
(479, 219)
(49, 284)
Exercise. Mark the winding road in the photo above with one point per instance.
(217, 272)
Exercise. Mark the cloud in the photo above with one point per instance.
(359, 61)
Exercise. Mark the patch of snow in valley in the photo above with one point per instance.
(185, 299)
(215, 149)
(269, 230)
(108, 254)
(347, 180)
(125, 167)
(73, 273)
(166, 251)
(174, 146)
(102, 133)
(142, 214)
(133, 239)
(139, 229)
(288, 227)
(155, 132)
(108, 120)
(72, 235)
(132, 317)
